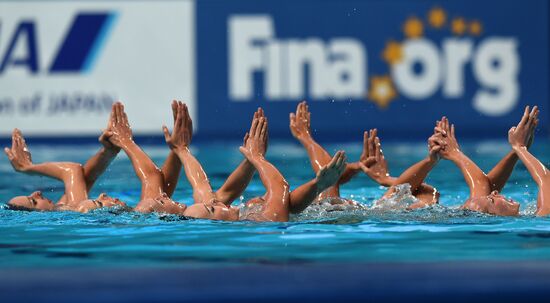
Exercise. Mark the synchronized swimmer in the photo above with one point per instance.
(278, 202)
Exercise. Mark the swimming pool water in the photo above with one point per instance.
(106, 238)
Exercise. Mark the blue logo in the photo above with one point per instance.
(77, 53)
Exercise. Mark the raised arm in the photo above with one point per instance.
(239, 179)
(540, 175)
(500, 174)
(71, 174)
(416, 174)
(277, 189)
(171, 171)
(327, 176)
(372, 160)
(300, 127)
(172, 165)
(179, 143)
(149, 174)
(98, 163)
(475, 178)
(538, 171)
(516, 138)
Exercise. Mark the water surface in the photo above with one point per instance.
(108, 238)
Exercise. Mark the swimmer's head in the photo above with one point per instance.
(103, 200)
(33, 202)
(214, 210)
(108, 201)
(495, 204)
(161, 204)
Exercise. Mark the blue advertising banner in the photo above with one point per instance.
(397, 65)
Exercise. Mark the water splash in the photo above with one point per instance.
(401, 199)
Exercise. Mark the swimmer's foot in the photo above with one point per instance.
(18, 154)
(329, 174)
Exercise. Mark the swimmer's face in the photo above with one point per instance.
(501, 206)
(33, 202)
(496, 204)
(213, 210)
(162, 204)
(107, 201)
(102, 201)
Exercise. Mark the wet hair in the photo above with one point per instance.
(173, 218)
(17, 207)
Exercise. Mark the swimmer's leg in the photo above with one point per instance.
(71, 174)
(305, 194)
(300, 126)
(277, 196)
(179, 142)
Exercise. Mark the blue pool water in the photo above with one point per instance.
(104, 238)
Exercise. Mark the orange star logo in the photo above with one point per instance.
(413, 28)
(437, 17)
(393, 53)
(458, 26)
(381, 91)
(475, 28)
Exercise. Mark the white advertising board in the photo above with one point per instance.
(63, 63)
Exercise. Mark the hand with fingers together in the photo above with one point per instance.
(435, 145)
(372, 160)
(434, 152)
(300, 122)
(108, 145)
(121, 133)
(522, 135)
(256, 143)
(19, 155)
(107, 133)
(329, 174)
(183, 127)
(257, 115)
(445, 132)
(534, 122)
